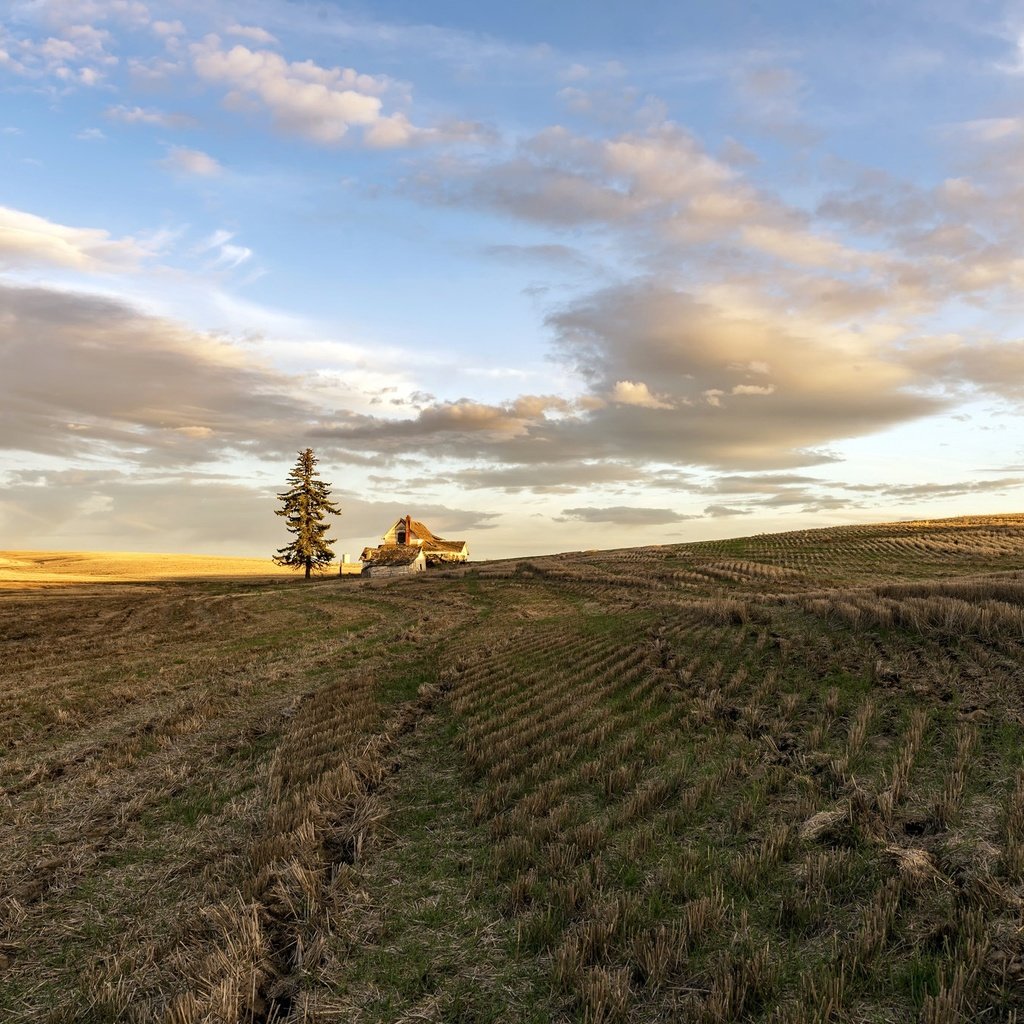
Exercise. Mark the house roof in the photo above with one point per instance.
(393, 554)
(419, 529)
(436, 544)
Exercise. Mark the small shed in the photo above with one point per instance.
(394, 561)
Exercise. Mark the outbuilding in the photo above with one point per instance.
(394, 560)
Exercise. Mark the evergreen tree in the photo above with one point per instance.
(305, 503)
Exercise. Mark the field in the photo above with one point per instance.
(777, 779)
(19, 569)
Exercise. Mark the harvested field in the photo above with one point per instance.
(776, 779)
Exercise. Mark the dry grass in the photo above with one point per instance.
(21, 569)
(771, 779)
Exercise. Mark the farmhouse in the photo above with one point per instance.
(409, 546)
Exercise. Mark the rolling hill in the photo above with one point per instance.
(778, 778)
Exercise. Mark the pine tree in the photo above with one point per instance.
(305, 503)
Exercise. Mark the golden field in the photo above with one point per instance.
(775, 779)
(49, 568)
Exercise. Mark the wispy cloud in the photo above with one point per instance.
(195, 162)
(625, 515)
(29, 240)
(147, 115)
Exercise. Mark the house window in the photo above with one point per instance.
(401, 535)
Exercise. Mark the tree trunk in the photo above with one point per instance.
(309, 566)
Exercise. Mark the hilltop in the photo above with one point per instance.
(776, 778)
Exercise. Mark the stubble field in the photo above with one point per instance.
(779, 779)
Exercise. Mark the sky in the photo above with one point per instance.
(546, 276)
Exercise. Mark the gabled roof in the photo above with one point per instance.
(419, 529)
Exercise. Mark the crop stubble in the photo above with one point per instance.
(777, 778)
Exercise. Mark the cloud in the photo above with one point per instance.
(441, 424)
(82, 375)
(763, 483)
(303, 98)
(836, 383)
(992, 366)
(167, 29)
(628, 392)
(196, 512)
(660, 180)
(75, 55)
(253, 33)
(725, 511)
(227, 256)
(146, 115)
(787, 338)
(232, 256)
(192, 162)
(624, 515)
(928, 491)
(560, 478)
(660, 198)
(30, 240)
(1015, 66)
(993, 129)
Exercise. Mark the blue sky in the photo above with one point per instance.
(548, 276)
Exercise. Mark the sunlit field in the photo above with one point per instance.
(778, 778)
(46, 568)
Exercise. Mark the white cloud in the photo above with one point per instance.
(215, 240)
(227, 256)
(302, 98)
(76, 54)
(390, 132)
(628, 392)
(753, 389)
(153, 72)
(253, 33)
(232, 256)
(28, 240)
(191, 161)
